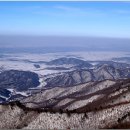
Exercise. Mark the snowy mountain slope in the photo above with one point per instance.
(27, 61)
(55, 96)
(34, 82)
(14, 84)
(59, 70)
(80, 76)
(107, 108)
(85, 97)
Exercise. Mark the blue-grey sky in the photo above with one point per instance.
(65, 26)
(104, 19)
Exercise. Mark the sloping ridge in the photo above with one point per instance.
(81, 76)
(112, 110)
(15, 115)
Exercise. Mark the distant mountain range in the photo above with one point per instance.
(15, 84)
(86, 72)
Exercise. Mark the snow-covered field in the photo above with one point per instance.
(92, 56)
(26, 61)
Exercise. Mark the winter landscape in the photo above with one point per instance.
(64, 65)
(69, 88)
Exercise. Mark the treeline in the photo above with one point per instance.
(45, 110)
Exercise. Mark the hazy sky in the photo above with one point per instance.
(109, 19)
(64, 43)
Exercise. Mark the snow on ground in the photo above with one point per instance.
(3, 97)
(42, 83)
(93, 56)
(19, 61)
(22, 63)
(21, 93)
(94, 63)
(51, 56)
(45, 71)
(14, 92)
(11, 90)
(80, 103)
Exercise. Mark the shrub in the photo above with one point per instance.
(85, 115)
(101, 107)
(96, 109)
(119, 120)
(124, 96)
(68, 113)
(61, 111)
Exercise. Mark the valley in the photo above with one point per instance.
(69, 88)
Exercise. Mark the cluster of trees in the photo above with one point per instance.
(40, 110)
(123, 117)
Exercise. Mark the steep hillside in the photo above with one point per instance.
(14, 84)
(81, 76)
(17, 116)
(86, 97)
(104, 104)
(20, 80)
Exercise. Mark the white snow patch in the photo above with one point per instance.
(14, 92)
(94, 63)
(23, 58)
(22, 93)
(42, 83)
(11, 90)
(4, 97)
